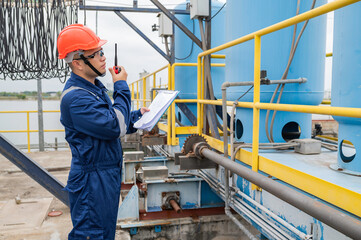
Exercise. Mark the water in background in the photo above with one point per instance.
(17, 121)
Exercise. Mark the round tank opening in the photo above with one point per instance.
(347, 151)
(179, 117)
(239, 129)
(291, 131)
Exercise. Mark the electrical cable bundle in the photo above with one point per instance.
(28, 37)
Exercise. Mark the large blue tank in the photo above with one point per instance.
(187, 52)
(244, 17)
(346, 87)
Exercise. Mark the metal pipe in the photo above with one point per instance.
(247, 210)
(250, 83)
(343, 223)
(175, 206)
(129, 9)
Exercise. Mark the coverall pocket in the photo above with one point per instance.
(76, 182)
(89, 234)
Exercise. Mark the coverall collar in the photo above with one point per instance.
(78, 81)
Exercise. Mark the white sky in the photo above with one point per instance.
(133, 52)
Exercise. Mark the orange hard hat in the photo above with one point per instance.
(77, 37)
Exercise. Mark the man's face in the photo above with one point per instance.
(97, 59)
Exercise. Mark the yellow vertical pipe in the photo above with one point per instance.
(173, 107)
(137, 95)
(132, 97)
(256, 99)
(154, 78)
(199, 95)
(202, 95)
(169, 137)
(144, 91)
(28, 129)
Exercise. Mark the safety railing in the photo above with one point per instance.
(28, 130)
(256, 105)
(134, 87)
(320, 188)
(170, 128)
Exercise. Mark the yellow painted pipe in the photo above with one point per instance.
(185, 100)
(256, 99)
(326, 102)
(137, 97)
(169, 137)
(330, 54)
(144, 91)
(28, 129)
(229, 103)
(199, 95)
(150, 74)
(222, 56)
(173, 104)
(154, 78)
(324, 110)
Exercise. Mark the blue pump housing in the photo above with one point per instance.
(244, 17)
(346, 87)
(187, 52)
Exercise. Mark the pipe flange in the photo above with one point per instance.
(198, 147)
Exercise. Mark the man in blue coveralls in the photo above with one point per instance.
(93, 127)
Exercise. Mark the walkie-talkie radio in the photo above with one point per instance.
(116, 68)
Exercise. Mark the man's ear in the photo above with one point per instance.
(76, 64)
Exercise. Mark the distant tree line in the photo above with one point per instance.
(30, 94)
(34, 94)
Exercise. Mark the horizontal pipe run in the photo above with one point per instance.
(33, 111)
(323, 110)
(253, 214)
(151, 74)
(343, 223)
(251, 83)
(185, 100)
(129, 9)
(220, 56)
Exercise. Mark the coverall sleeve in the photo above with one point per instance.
(134, 116)
(95, 118)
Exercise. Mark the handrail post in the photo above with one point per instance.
(154, 79)
(174, 142)
(169, 136)
(256, 99)
(144, 91)
(137, 97)
(28, 129)
(199, 95)
(132, 97)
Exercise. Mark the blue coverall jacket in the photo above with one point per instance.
(93, 126)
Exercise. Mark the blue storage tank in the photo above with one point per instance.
(187, 52)
(244, 17)
(346, 87)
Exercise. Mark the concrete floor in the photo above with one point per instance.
(14, 182)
